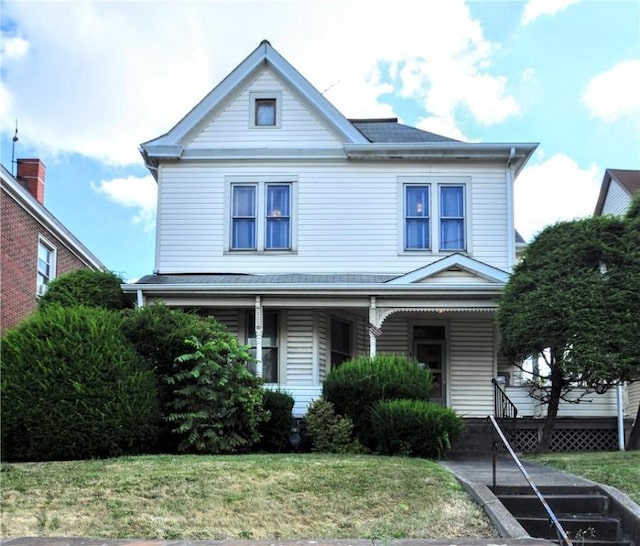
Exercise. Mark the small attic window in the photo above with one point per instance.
(265, 112)
(265, 109)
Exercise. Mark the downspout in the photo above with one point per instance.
(620, 419)
(139, 298)
(511, 228)
(259, 331)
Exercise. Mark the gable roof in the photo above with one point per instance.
(171, 142)
(389, 130)
(629, 181)
(372, 139)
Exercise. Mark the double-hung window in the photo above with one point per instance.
(452, 218)
(261, 216)
(434, 216)
(417, 232)
(269, 344)
(46, 266)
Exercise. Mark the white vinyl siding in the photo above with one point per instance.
(471, 367)
(347, 217)
(299, 347)
(231, 127)
(617, 201)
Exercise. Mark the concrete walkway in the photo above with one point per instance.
(476, 475)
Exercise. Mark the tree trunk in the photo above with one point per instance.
(552, 408)
(634, 437)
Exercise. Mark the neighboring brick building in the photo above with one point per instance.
(35, 246)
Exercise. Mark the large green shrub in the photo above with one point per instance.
(329, 432)
(275, 431)
(218, 402)
(356, 385)
(85, 287)
(415, 428)
(159, 334)
(74, 387)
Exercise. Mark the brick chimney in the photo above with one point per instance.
(31, 174)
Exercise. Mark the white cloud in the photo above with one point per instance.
(442, 126)
(12, 47)
(537, 8)
(553, 190)
(133, 192)
(615, 94)
(98, 78)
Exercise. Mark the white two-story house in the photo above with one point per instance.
(316, 238)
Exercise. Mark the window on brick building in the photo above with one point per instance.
(46, 266)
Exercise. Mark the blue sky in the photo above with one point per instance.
(89, 81)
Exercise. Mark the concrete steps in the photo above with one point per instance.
(586, 514)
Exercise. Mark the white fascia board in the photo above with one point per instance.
(253, 154)
(47, 220)
(378, 289)
(446, 151)
(475, 267)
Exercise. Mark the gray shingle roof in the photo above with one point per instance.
(287, 278)
(390, 131)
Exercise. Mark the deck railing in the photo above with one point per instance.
(563, 538)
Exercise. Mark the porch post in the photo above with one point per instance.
(372, 325)
(259, 331)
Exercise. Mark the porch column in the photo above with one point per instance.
(259, 331)
(373, 327)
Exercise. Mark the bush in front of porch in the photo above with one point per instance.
(357, 386)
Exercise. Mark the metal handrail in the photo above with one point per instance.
(563, 538)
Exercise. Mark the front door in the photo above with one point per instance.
(431, 354)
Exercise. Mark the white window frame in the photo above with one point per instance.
(44, 278)
(256, 96)
(463, 218)
(261, 183)
(435, 183)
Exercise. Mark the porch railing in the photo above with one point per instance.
(505, 410)
(563, 538)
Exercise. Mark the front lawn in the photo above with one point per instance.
(620, 469)
(254, 496)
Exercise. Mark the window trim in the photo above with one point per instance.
(463, 218)
(254, 98)
(435, 184)
(261, 184)
(53, 253)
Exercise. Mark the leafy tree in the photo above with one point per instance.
(574, 301)
(86, 287)
(218, 402)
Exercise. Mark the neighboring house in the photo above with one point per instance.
(36, 247)
(617, 191)
(316, 238)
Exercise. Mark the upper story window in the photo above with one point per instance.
(452, 218)
(265, 108)
(46, 266)
(421, 212)
(261, 216)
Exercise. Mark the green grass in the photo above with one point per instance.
(620, 469)
(255, 496)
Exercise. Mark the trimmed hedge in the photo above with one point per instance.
(416, 428)
(329, 432)
(356, 385)
(73, 387)
(85, 287)
(275, 431)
